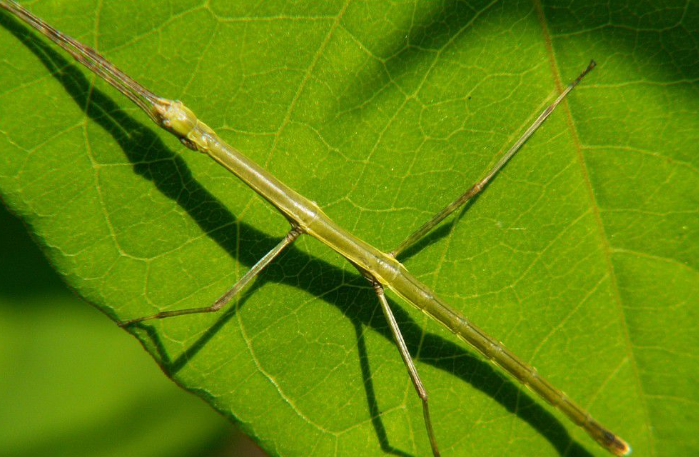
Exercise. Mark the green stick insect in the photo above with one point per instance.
(381, 269)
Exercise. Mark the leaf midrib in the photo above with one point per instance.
(602, 236)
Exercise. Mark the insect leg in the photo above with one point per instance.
(407, 360)
(480, 185)
(225, 298)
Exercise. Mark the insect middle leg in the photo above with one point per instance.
(290, 237)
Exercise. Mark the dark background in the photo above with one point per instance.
(73, 383)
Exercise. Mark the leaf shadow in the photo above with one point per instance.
(23, 268)
(438, 233)
(154, 161)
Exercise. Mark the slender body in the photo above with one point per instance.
(382, 269)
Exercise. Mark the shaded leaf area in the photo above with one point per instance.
(581, 256)
(72, 385)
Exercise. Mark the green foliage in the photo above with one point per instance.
(72, 384)
(581, 257)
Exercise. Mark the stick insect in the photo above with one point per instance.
(382, 270)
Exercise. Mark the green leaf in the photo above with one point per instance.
(581, 256)
(72, 384)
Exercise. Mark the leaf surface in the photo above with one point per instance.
(581, 256)
(72, 384)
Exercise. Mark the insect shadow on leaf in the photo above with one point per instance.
(154, 161)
